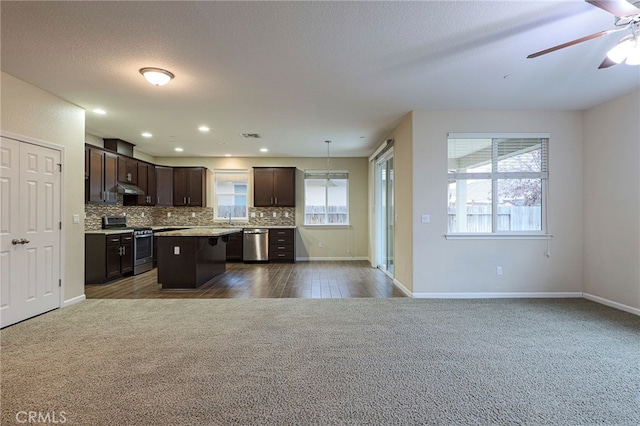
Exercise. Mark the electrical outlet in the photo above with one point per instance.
(261, 214)
(286, 214)
(176, 250)
(142, 214)
(193, 214)
(320, 244)
(499, 270)
(275, 214)
(168, 214)
(253, 214)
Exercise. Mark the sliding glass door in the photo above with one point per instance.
(385, 212)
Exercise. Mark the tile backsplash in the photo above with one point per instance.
(183, 216)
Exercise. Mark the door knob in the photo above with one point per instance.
(15, 241)
(24, 241)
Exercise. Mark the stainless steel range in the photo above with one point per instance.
(142, 242)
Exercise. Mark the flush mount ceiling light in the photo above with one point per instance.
(203, 128)
(99, 111)
(157, 76)
(179, 149)
(264, 150)
(147, 134)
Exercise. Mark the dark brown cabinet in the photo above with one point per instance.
(127, 170)
(189, 186)
(147, 182)
(274, 186)
(164, 186)
(107, 257)
(101, 182)
(234, 247)
(282, 245)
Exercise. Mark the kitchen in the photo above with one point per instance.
(311, 242)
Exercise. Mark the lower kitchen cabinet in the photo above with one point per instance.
(107, 257)
(282, 245)
(234, 247)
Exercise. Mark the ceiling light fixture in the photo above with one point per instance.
(178, 149)
(227, 155)
(627, 48)
(157, 76)
(264, 150)
(99, 111)
(328, 182)
(203, 128)
(147, 134)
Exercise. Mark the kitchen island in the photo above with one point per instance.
(189, 258)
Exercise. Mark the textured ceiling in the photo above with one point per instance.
(300, 73)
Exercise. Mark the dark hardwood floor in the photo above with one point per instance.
(323, 280)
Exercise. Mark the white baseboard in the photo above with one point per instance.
(73, 300)
(320, 259)
(611, 303)
(402, 288)
(523, 295)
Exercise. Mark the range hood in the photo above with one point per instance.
(129, 189)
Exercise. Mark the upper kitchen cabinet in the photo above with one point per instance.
(274, 186)
(127, 170)
(101, 183)
(189, 186)
(147, 182)
(164, 186)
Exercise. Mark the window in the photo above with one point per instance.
(326, 198)
(497, 184)
(230, 193)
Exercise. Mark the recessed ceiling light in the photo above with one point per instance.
(179, 149)
(147, 134)
(203, 128)
(99, 111)
(227, 155)
(264, 150)
(157, 76)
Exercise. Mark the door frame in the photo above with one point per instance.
(379, 214)
(61, 149)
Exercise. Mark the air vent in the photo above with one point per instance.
(250, 135)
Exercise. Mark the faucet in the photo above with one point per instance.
(228, 213)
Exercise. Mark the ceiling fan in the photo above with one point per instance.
(628, 47)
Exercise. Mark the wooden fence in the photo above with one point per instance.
(510, 218)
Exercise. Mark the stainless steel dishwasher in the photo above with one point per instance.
(255, 247)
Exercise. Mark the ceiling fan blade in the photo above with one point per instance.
(618, 8)
(576, 41)
(607, 63)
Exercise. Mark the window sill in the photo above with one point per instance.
(498, 236)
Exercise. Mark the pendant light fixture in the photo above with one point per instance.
(328, 182)
(157, 76)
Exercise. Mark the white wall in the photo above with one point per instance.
(611, 201)
(341, 242)
(31, 112)
(469, 266)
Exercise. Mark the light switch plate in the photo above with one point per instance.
(426, 218)
(176, 250)
(275, 214)
(76, 218)
(253, 214)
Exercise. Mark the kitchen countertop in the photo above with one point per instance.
(109, 231)
(156, 228)
(199, 232)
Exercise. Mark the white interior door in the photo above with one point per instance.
(29, 230)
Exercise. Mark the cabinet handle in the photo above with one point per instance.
(276, 203)
(184, 200)
(124, 250)
(158, 200)
(280, 247)
(271, 202)
(128, 177)
(189, 200)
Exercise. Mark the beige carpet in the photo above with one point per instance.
(324, 362)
